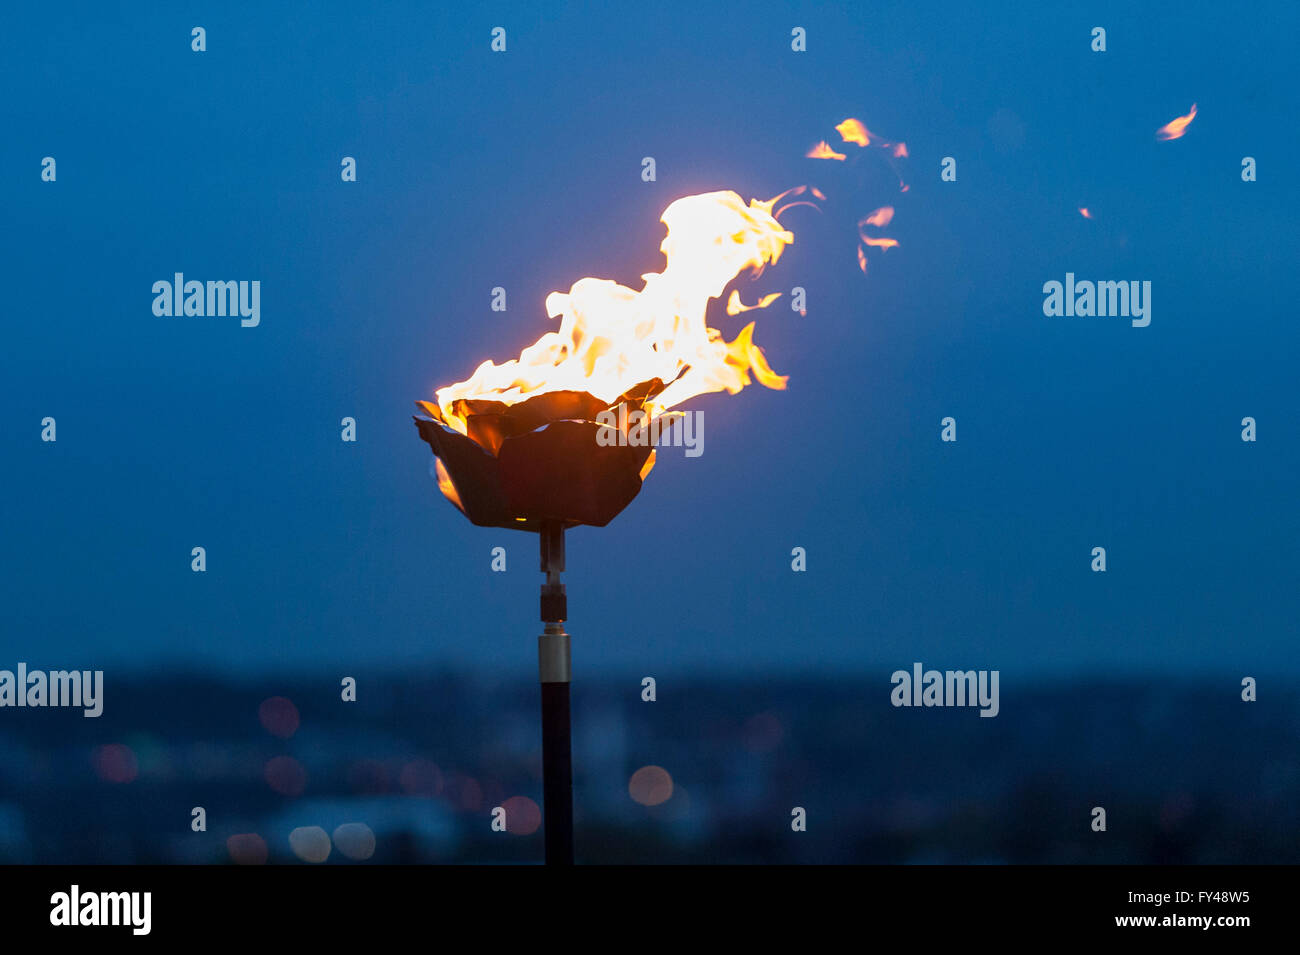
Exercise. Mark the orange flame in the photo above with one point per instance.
(1175, 128)
(823, 151)
(852, 131)
(1083, 211)
(612, 337)
(735, 306)
(881, 217)
(797, 191)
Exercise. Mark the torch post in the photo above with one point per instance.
(554, 673)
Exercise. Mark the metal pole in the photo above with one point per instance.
(554, 673)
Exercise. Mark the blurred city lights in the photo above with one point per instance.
(247, 848)
(355, 840)
(464, 793)
(279, 716)
(285, 775)
(115, 763)
(651, 785)
(523, 816)
(310, 843)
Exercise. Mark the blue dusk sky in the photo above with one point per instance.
(522, 169)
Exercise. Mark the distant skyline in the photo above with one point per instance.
(523, 170)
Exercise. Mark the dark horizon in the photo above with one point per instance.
(1186, 776)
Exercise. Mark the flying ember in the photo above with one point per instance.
(1175, 128)
(823, 151)
(855, 132)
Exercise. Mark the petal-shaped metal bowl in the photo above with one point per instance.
(538, 462)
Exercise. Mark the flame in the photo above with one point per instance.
(1083, 211)
(735, 306)
(823, 151)
(612, 337)
(1175, 128)
(797, 191)
(852, 131)
(880, 217)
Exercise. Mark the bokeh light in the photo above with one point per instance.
(651, 785)
(247, 848)
(115, 763)
(285, 775)
(310, 843)
(464, 792)
(523, 816)
(279, 716)
(471, 795)
(355, 840)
